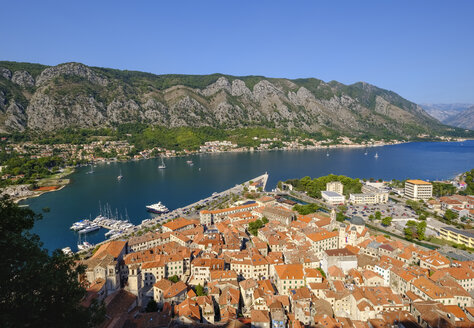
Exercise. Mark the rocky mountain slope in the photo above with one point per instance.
(464, 119)
(38, 97)
(459, 115)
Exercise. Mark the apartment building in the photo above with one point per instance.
(288, 277)
(323, 240)
(463, 237)
(418, 189)
(215, 216)
(335, 186)
(368, 198)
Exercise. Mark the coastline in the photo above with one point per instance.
(56, 183)
(36, 194)
(65, 182)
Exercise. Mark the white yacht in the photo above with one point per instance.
(79, 225)
(67, 250)
(157, 208)
(90, 228)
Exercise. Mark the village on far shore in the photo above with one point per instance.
(389, 255)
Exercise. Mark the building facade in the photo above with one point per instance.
(418, 189)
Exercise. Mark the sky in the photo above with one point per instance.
(423, 50)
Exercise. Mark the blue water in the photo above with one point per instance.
(181, 184)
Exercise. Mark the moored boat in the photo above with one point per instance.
(157, 208)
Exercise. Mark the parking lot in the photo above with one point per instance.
(396, 211)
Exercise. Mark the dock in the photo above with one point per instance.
(110, 224)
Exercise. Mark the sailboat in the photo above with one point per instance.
(366, 152)
(91, 170)
(376, 155)
(120, 176)
(162, 165)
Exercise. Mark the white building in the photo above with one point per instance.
(332, 197)
(418, 189)
(370, 198)
(335, 186)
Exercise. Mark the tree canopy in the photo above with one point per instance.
(38, 289)
(314, 186)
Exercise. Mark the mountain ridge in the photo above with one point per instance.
(456, 114)
(40, 97)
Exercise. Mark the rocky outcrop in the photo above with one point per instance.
(23, 78)
(71, 69)
(75, 95)
(15, 118)
(5, 73)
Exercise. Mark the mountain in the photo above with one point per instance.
(452, 114)
(39, 97)
(443, 111)
(463, 119)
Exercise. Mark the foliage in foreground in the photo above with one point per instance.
(38, 289)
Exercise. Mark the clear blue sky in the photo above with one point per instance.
(423, 50)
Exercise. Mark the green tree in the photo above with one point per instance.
(416, 206)
(371, 217)
(38, 289)
(306, 209)
(386, 221)
(152, 306)
(340, 217)
(443, 189)
(264, 220)
(450, 215)
(174, 279)
(254, 226)
(408, 233)
(322, 272)
(420, 230)
(200, 290)
(378, 215)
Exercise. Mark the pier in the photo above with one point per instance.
(112, 224)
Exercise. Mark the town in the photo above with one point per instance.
(287, 259)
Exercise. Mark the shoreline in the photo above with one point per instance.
(336, 146)
(37, 194)
(311, 148)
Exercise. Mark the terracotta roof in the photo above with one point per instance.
(456, 273)
(259, 316)
(334, 271)
(456, 310)
(418, 182)
(432, 290)
(163, 284)
(175, 289)
(235, 208)
(113, 248)
(221, 274)
(266, 286)
(189, 309)
(290, 271)
(312, 273)
(339, 252)
(322, 234)
(178, 224)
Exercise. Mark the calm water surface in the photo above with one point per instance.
(181, 184)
